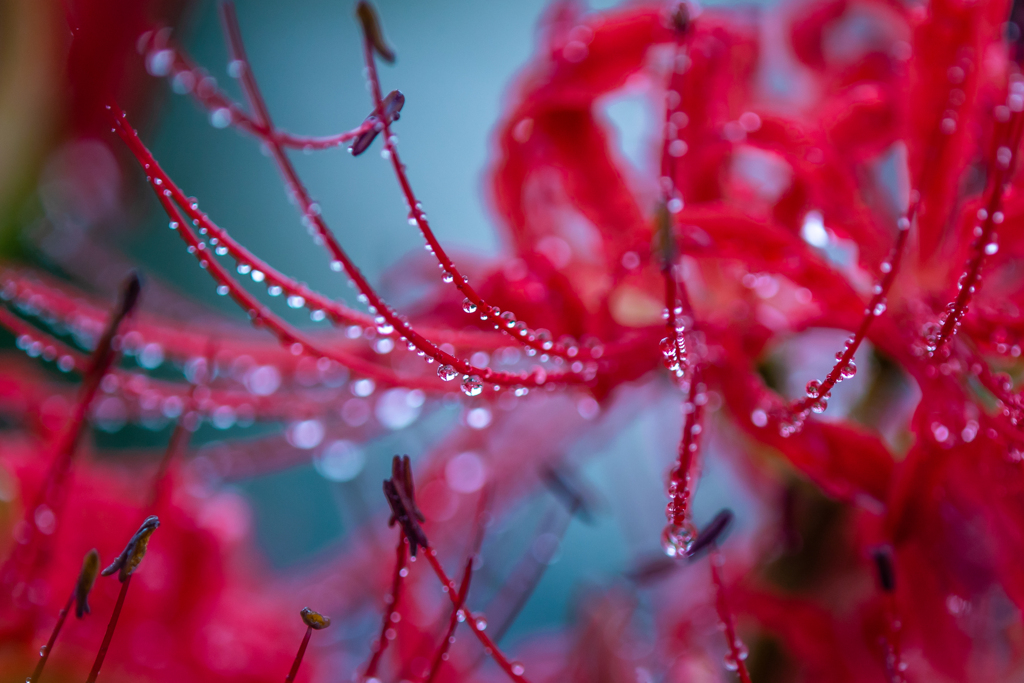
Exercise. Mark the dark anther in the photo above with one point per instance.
(569, 492)
(886, 572)
(371, 29)
(390, 109)
(314, 619)
(665, 241)
(133, 553)
(103, 355)
(711, 534)
(86, 579)
(401, 496)
(392, 105)
(682, 18)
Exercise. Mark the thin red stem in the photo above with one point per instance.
(449, 637)
(258, 313)
(489, 646)
(677, 303)
(212, 98)
(48, 648)
(526, 336)
(877, 304)
(166, 191)
(299, 655)
(133, 384)
(49, 500)
(393, 599)
(111, 625)
(179, 441)
(737, 650)
(1007, 147)
(377, 305)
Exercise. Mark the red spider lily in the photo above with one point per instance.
(871, 189)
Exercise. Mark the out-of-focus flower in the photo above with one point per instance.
(832, 166)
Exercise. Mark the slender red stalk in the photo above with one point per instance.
(449, 637)
(679, 532)
(131, 384)
(179, 441)
(894, 664)
(49, 500)
(489, 646)
(166, 191)
(392, 599)
(1004, 162)
(260, 314)
(818, 393)
(299, 655)
(204, 89)
(111, 625)
(377, 305)
(45, 653)
(512, 326)
(735, 660)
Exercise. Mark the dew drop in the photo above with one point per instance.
(676, 540)
(446, 372)
(849, 371)
(468, 306)
(472, 386)
(813, 388)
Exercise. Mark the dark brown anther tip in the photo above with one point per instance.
(128, 561)
(314, 619)
(86, 580)
(711, 534)
(682, 18)
(568, 492)
(664, 238)
(400, 495)
(130, 290)
(372, 31)
(392, 105)
(363, 142)
(886, 572)
(389, 111)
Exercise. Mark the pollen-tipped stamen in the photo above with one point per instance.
(125, 564)
(314, 621)
(80, 599)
